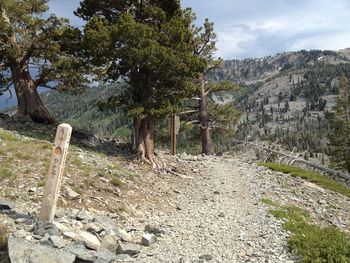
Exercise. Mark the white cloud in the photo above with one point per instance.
(254, 28)
(251, 28)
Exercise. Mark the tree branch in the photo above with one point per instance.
(187, 112)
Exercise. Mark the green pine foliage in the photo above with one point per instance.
(340, 128)
(152, 43)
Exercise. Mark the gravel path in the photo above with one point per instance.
(219, 218)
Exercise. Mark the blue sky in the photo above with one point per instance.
(257, 28)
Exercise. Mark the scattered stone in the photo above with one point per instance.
(104, 256)
(106, 222)
(70, 235)
(42, 228)
(57, 241)
(123, 235)
(123, 258)
(6, 205)
(109, 243)
(84, 216)
(128, 248)
(154, 230)
(81, 252)
(89, 240)
(21, 251)
(71, 194)
(148, 239)
(60, 213)
(94, 227)
(32, 190)
(206, 257)
(20, 233)
(322, 202)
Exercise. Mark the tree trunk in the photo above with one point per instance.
(145, 143)
(207, 144)
(29, 101)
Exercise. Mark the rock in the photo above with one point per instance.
(123, 235)
(6, 205)
(322, 202)
(154, 230)
(71, 194)
(89, 240)
(104, 256)
(128, 248)
(206, 257)
(84, 216)
(148, 239)
(106, 222)
(42, 228)
(32, 190)
(60, 213)
(94, 227)
(57, 241)
(81, 252)
(21, 251)
(62, 227)
(109, 243)
(20, 233)
(70, 235)
(123, 258)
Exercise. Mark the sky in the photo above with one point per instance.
(258, 28)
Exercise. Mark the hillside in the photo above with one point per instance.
(286, 98)
(110, 205)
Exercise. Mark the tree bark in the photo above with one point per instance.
(207, 144)
(143, 130)
(29, 101)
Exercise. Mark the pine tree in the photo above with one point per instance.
(149, 45)
(36, 52)
(340, 125)
(210, 114)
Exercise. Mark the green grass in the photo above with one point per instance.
(7, 136)
(269, 202)
(313, 177)
(311, 242)
(5, 173)
(117, 182)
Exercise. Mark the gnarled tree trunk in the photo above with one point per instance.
(207, 144)
(143, 135)
(29, 101)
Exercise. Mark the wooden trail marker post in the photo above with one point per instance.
(174, 131)
(53, 184)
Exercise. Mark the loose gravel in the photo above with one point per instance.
(219, 217)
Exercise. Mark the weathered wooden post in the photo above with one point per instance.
(174, 130)
(53, 184)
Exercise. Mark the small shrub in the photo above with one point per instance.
(312, 242)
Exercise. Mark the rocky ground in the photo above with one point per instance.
(207, 209)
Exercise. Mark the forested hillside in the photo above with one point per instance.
(286, 99)
(83, 112)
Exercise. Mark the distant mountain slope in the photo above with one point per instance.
(286, 97)
(82, 111)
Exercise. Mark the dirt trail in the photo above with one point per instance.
(218, 217)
